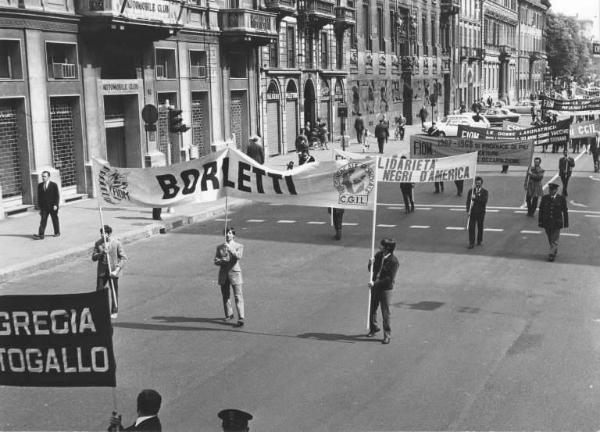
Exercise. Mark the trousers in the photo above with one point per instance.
(476, 219)
(103, 282)
(553, 235)
(531, 204)
(44, 221)
(237, 295)
(381, 298)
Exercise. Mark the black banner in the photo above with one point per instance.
(571, 104)
(56, 340)
(554, 133)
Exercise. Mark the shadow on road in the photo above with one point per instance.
(338, 337)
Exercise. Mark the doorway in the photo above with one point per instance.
(310, 113)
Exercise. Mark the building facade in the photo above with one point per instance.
(471, 85)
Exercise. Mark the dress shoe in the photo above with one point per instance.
(38, 237)
(471, 246)
(550, 257)
(372, 333)
(57, 235)
(228, 318)
(386, 340)
(478, 243)
(240, 323)
(114, 315)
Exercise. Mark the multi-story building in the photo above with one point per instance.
(500, 20)
(532, 61)
(471, 85)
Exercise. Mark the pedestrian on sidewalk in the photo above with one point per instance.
(359, 127)
(304, 156)
(553, 216)
(109, 253)
(385, 266)
(595, 151)
(48, 201)
(477, 199)
(565, 169)
(381, 133)
(148, 405)
(255, 150)
(533, 186)
(227, 257)
(423, 115)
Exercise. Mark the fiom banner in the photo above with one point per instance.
(396, 169)
(56, 340)
(340, 183)
(571, 105)
(554, 133)
(490, 152)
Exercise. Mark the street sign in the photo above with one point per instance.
(150, 114)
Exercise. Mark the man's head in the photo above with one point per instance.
(148, 402)
(107, 230)
(229, 233)
(552, 188)
(234, 420)
(388, 245)
(254, 139)
(478, 181)
(537, 161)
(45, 175)
(565, 152)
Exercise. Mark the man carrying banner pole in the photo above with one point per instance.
(111, 259)
(476, 205)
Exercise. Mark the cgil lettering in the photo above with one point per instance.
(249, 179)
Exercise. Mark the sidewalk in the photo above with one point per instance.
(80, 222)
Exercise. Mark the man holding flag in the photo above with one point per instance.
(477, 199)
(111, 258)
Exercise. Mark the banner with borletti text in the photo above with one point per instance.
(340, 183)
(396, 169)
(490, 152)
(553, 133)
(56, 341)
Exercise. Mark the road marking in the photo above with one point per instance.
(457, 209)
(594, 216)
(513, 208)
(595, 178)
(284, 221)
(386, 226)
(423, 208)
(316, 223)
(350, 223)
(530, 232)
(569, 235)
(493, 229)
(520, 212)
(492, 211)
(455, 228)
(223, 220)
(576, 204)
(255, 220)
(395, 208)
(420, 226)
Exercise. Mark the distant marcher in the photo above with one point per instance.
(301, 140)
(109, 253)
(400, 126)
(423, 115)
(148, 405)
(533, 186)
(381, 133)
(337, 214)
(359, 127)
(462, 108)
(304, 156)
(385, 266)
(255, 150)
(48, 197)
(504, 169)
(156, 213)
(227, 257)
(595, 151)
(439, 187)
(553, 216)
(490, 101)
(565, 169)
(477, 199)
(234, 420)
(532, 112)
(386, 124)
(407, 195)
(322, 133)
(459, 187)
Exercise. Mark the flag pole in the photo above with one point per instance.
(472, 192)
(374, 225)
(226, 213)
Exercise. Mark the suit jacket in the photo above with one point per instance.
(553, 213)
(381, 132)
(383, 277)
(480, 202)
(149, 425)
(359, 124)
(49, 197)
(256, 152)
(566, 165)
(533, 182)
(115, 254)
(229, 263)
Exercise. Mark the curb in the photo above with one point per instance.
(50, 261)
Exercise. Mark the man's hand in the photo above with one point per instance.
(370, 284)
(115, 422)
(115, 272)
(55, 207)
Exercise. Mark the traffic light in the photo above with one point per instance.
(176, 121)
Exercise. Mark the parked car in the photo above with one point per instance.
(497, 115)
(524, 106)
(449, 126)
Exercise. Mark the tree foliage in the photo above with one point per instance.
(568, 53)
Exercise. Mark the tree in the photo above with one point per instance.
(568, 53)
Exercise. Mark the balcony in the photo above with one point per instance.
(130, 19)
(506, 52)
(445, 64)
(282, 7)
(450, 7)
(64, 71)
(536, 55)
(318, 12)
(472, 54)
(247, 26)
(344, 17)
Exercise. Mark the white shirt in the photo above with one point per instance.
(141, 419)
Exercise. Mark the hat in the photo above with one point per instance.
(254, 138)
(552, 186)
(234, 419)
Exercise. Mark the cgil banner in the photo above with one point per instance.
(585, 129)
(56, 341)
(555, 133)
(396, 169)
(339, 183)
(490, 152)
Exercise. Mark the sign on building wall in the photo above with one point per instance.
(596, 48)
(164, 11)
(116, 87)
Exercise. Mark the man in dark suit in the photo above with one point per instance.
(48, 200)
(255, 150)
(385, 266)
(148, 404)
(359, 127)
(565, 169)
(553, 216)
(477, 199)
(227, 257)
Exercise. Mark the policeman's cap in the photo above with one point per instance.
(552, 186)
(234, 419)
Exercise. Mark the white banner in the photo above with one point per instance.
(395, 169)
(164, 11)
(342, 183)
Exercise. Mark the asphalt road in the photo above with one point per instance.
(493, 338)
